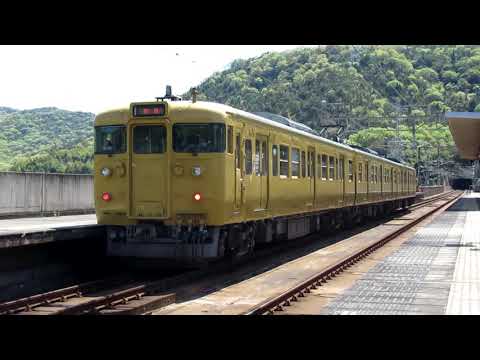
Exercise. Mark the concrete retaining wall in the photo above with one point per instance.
(42, 194)
(432, 190)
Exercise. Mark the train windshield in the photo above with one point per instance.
(110, 139)
(198, 138)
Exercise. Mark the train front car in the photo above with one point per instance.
(159, 180)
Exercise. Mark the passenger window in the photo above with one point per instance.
(311, 164)
(237, 151)
(342, 166)
(336, 168)
(372, 176)
(331, 161)
(360, 172)
(230, 139)
(149, 139)
(350, 170)
(264, 159)
(275, 160)
(375, 171)
(324, 167)
(248, 157)
(303, 164)
(295, 162)
(284, 158)
(257, 158)
(319, 166)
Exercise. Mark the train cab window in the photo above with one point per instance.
(350, 170)
(331, 167)
(248, 157)
(237, 151)
(284, 161)
(149, 139)
(110, 139)
(198, 138)
(295, 163)
(324, 167)
(258, 169)
(230, 140)
(275, 160)
(360, 172)
(303, 164)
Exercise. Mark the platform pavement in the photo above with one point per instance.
(435, 272)
(35, 230)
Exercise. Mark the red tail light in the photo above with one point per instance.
(197, 197)
(106, 196)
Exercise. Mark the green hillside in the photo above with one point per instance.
(49, 132)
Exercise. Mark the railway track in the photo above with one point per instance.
(125, 296)
(288, 298)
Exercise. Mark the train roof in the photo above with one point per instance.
(265, 118)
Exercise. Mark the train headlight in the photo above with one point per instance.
(196, 171)
(106, 172)
(197, 196)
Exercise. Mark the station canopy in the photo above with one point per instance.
(465, 129)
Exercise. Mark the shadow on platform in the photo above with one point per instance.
(466, 204)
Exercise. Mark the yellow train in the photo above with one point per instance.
(195, 181)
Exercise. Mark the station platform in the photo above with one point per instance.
(36, 230)
(436, 271)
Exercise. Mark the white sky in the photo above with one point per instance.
(98, 77)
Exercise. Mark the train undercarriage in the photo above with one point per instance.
(190, 245)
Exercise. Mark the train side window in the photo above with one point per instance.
(248, 157)
(350, 170)
(319, 167)
(341, 168)
(264, 158)
(372, 177)
(237, 151)
(311, 164)
(230, 139)
(303, 164)
(284, 161)
(324, 167)
(258, 170)
(375, 171)
(360, 172)
(295, 163)
(331, 169)
(380, 176)
(336, 169)
(275, 160)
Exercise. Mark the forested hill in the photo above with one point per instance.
(53, 140)
(363, 81)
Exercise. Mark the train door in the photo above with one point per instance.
(311, 173)
(149, 195)
(238, 171)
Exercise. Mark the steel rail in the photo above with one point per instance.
(28, 303)
(277, 302)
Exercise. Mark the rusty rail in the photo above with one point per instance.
(276, 303)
